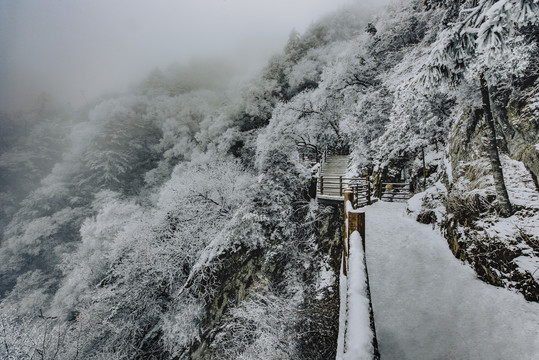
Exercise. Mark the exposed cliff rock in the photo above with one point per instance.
(521, 129)
(289, 296)
(318, 328)
(503, 252)
(240, 271)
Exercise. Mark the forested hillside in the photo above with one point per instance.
(175, 220)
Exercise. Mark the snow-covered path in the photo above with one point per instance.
(428, 305)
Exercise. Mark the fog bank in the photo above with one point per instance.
(75, 50)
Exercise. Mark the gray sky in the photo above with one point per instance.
(77, 49)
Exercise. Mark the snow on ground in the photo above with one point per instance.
(530, 264)
(523, 224)
(428, 305)
(431, 200)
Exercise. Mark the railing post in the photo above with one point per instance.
(361, 228)
(368, 182)
(348, 196)
(340, 186)
(321, 185)
(356, 222)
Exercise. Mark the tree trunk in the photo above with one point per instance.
(497, 172)
(424, 169)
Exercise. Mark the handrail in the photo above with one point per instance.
(344, 178)
(355, 221)
(356, 192)
(332, 187)
(393, 190)
(358, 186)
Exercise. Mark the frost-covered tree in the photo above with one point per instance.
(121, 285)
(260, 327)
(31, 142)
(482, 33)
(124, 147)
(366, 123)
(354, 71)
(417, 121)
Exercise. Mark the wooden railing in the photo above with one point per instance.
(336, 185)
(361, 192)
(362, 188)
(333, 184)
(393, 191)
(354, 220)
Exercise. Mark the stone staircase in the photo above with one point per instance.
(332, 181)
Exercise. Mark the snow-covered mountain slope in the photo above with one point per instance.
(175, 221)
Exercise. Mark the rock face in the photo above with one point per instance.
(330, 235)
(320, 323)
(465, 139)
(311, 329)
(471, 219)
(518, 130)
(521, 130)
(239, 272)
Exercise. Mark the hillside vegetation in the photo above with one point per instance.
(175, 221)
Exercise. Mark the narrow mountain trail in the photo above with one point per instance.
(428, 305)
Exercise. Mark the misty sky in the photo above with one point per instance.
(77, 49)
